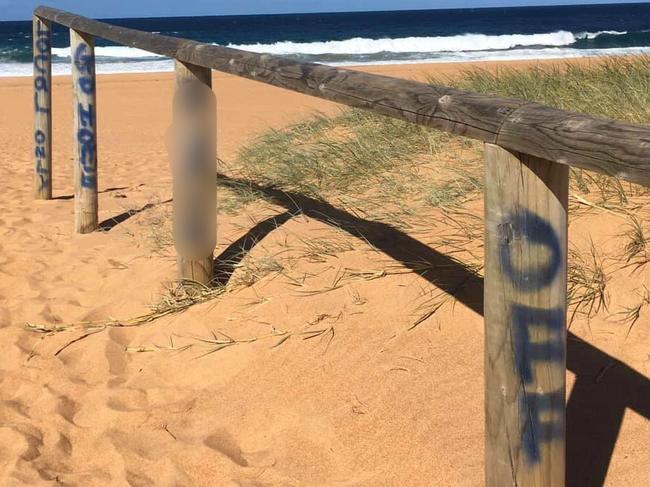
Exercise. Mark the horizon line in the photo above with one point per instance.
(632, 2)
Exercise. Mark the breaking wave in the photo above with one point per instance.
(458, 43)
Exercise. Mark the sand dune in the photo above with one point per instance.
(348, 397)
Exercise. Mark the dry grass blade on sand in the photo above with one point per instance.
(180, 296)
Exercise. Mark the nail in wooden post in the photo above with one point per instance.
(82, 48)
(525, 317)
(194, 171)
(42, 108)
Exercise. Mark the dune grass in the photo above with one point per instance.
(358, 151)
(398, 172)
(382, 161)
(616, 88)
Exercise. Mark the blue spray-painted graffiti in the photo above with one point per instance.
(527, 352)
(537, 430)
(84, 63)
(535, 231)
(41, 153)
(526, 320)
(41, 90)
(41, 57)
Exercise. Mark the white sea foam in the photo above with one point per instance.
(58, 69)
(119, 52)
(593, 35)
(458, 43)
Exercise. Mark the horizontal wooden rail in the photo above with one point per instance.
(606, 146)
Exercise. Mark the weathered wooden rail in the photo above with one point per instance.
(529, 148)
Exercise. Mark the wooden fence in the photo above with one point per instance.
(528, 150)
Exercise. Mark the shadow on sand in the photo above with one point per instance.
(107, 190)
(605, 387)
(108, 224)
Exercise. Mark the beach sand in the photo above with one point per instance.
(367, 403)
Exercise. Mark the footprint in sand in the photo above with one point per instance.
(171, 475)
(137, 480)
(64, 445)
(17, 406)
(48, 316)
(21, 437)
(145, 445)
(225, 444)
(246, 483)
(115, 357)
(66, 407)
(128, 400)
(5, 316)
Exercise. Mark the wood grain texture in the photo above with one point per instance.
(194, 172)
(197, 270)
(82, 47)
(602, 145)
(525, 315)
(42, 43)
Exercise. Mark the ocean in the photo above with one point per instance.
(369, 37)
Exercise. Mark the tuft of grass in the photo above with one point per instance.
(636, 247)
(320, 249)
(453, 191)
(587, 282)
(235, 197)
(631, 314)
(253, 269)
(157, 225)
(380, 167)
(336, 154)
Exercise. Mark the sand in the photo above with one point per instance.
(367, 403)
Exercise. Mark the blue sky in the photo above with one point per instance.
(21, 9)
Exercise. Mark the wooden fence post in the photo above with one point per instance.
(82, 47)
(42, 42)
(525, 316)
(194, 172)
